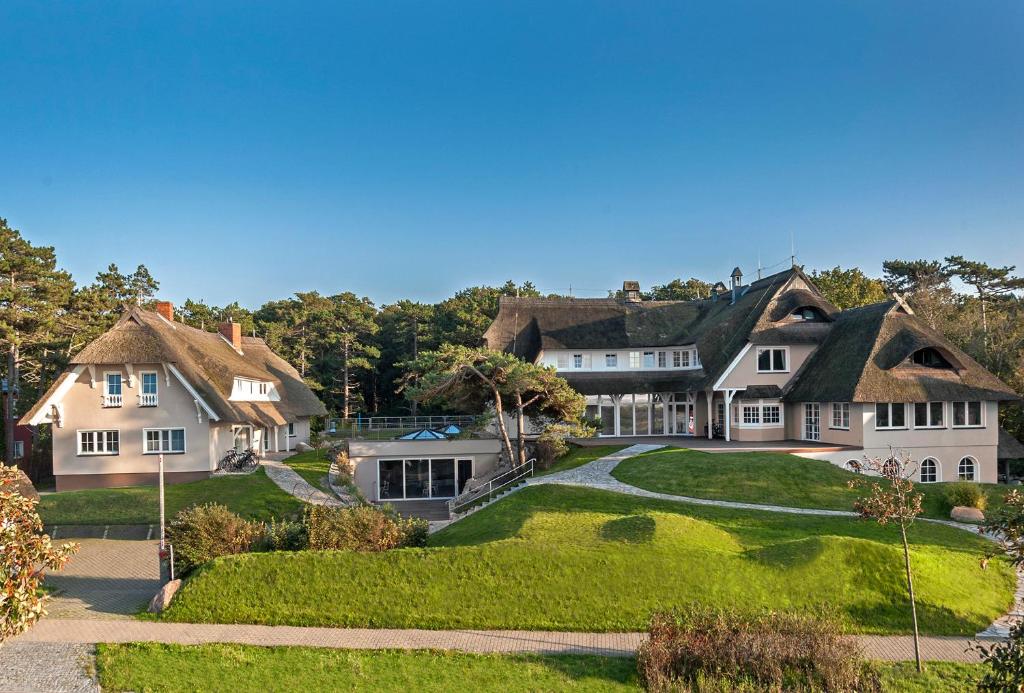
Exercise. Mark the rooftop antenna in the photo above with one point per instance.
(792, 250)
(759, 263)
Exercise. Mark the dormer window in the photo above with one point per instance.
(929, 358)
(251, 390)
(808, 314)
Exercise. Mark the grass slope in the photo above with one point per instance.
(253, 496)
(311, 466)
(580, 455)
(567, 558)
(764, 477)
(155, 667)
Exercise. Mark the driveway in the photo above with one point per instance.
(106, 579)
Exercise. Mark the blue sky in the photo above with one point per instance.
(248, 150)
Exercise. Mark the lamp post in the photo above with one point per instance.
(166, 569)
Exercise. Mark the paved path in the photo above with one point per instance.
(892, 648)
(107, 579)
(43, 667)
(289, 481)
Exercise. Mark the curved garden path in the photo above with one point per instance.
(598, 474)
(289, 481)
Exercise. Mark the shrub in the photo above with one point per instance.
(285, 535)
(361, 528)
(701, 649)
(967, 494)
(553, 443)
(346, 470)
(204, 532)
(25, 555)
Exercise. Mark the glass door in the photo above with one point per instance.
(243, 438)
(812, 421)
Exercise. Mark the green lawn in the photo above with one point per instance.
(253, 496)
(569, 558)
(580, 455)
(155, 667)
(764, 477)
(311, 466)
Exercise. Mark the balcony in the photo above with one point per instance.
(112, 400)
(148, 399)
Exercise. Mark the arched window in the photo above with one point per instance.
(929, 471)
(854, 466)
(967, 469)
(930, 358)
(890, 469)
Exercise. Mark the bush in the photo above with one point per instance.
(553, 443)
(346, 470)
(204, 532)
(362, 528)
(967, 494)
(282, 536)
(705, 650)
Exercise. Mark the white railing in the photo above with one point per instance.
(384, 426)
(493, 486)
(148, 399)
(112, 400)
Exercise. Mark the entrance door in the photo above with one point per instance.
(683, 422)
(812, 421)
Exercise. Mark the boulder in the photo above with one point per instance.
(963, 513)
(23, 485)
(303, 447)
(162, 599)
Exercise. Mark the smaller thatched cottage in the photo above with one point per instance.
(151, 385)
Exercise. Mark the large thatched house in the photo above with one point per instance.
(768, 361)
(152, 385)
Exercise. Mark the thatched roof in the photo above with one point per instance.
(1009, 447)
(611, 382)
(717, 327)
(865, 359)
(208, 363)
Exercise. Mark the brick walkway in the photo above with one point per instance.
(107, 579)
(893, 648)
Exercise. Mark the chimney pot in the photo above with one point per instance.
(232, 331)
(166, 309)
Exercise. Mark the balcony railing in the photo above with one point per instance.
(112, 400)
(148, 399)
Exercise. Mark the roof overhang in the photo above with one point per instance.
(40, 414)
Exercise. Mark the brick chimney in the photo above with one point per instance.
(232, 331)
(166, 309)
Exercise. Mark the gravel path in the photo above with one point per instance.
(48, 667)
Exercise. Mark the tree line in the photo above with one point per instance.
(352, 352)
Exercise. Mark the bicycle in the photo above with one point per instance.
(235, 461)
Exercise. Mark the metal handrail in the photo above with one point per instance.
(513, 475)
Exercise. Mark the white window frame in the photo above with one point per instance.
(634, 359)
(843, 409)
(652, 361)
(105, 452)
(562, 361)
(577, 360)
(677, 358)
(966, 403)
(19, 449)
(974, 468)
(906, 422)
(938, 471)
(142, 387)
(758, 407)
(773, 349)
(291, 430)
(928, 416)
(184, 441)
(662, 359)
(107, 396)
(611, 360)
